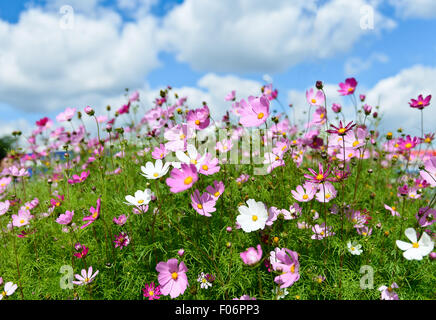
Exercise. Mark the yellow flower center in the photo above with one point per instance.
(260, 115)
(254, 218)
(415, 245)
(364, 233)
(305, 196)
(277, 158)
(320, 177)
(393, 208)
(327, 196)
(389, 289)
(292, 268)
(276, 239)
(188, 180)
(197, 122)
(86, 279)
(341, 130)
(420, 103)
(161, 155)
(322, 233)
(350, 89)
(182, 136)
(354, 220)
(319, 280)
(199, 206)
(313, 100)
(4, 293)
(94, 215)
(225, 147)
(58, 204)
(216, 194)
(22, 221)
(353, 248)
(140, 201)
(428, 140)
(321, 115)
(151, 293)
(350, 155)
(205, 167)
(155, 174)
(194, 161)
(355, 143)
(174, 275)
(2, 185)
(284, 147)
(408, 145)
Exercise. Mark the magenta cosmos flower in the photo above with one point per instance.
(320, 177)
(216, 190)
(315, 99)
(286, 262)
(182, 179)
(420, 103)
(251, 256)
(429, 172)
(199, 118)
(254, 112)
(79, 179)
(172, 277)
(65, 218)
(151, 291)
(204, 204)
(348, 87)
(408, 143)
(82, 251)
(95, 213)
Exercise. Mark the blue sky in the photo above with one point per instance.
(396, 59)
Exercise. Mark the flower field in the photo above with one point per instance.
(163, 201)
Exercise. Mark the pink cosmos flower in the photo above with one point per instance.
(230, 96)
(242, 178)
(85, 277)
(79, 179)
(420, 103)
(121, 240)
(348, 87)
(303, 195)
(159, 152)
(329, 194)
(224, 146)
(82, 251)
(151, 291)
(387, 293)
(429, 172)
(216, 190)
(95, 213)
(209, 166)
(22, 218)
(121, 220)
(336, 107)
(286, 263)
(124, 109)
(65, 218)
(134, 96)
(67, 115)
(269, 92)
(172, 277)
(178, 137)
(392, 210)
(182, 179)
(319, 177)
(4, 207)
(426, 216)
(254, 112)
(204, 204)
(315, 99)
(408, 143)
(251, 256)
(199, 118)
(321, 231)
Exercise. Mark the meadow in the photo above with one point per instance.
(163, 201)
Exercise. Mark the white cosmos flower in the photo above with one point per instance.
(86, 277)
(417, 249)
(193, 157)
(9, 289)
(354, 248)
(141, 198)
(280, 293)
(253, 217)
(155, 171)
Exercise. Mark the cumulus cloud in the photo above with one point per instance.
(355, 65)
(425, 9)
(264, 36)
(44, 67)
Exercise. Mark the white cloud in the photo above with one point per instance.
(263, 36)
(46, 68)
(355, 65)
(425, 9)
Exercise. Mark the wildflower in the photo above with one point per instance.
(67, 115)
(121, 220)
(280, 293)
(251, 256)
(253, 217)
(65, 218)
(204, 204)
(204, 283)
(348, 87)
(326, 193)
(193, 157)
(245, 297)
(364, 231)
(155, 171)
(181, 252)
(159, 152)
(178, 137)
(393, 210)
(354, 248)
(182, 179)
(172, 277)
(269, 92)
(199, 118)
(8, 289)
(151, 291)
(141, 198)
(426, 216)
(82, 251)
(420, 103)
(22, 219)
(121, 240)
(315, 99)
(336, 107)
(89, 111)
(216, 190)
(417, 249)
(4, 207)
(319, 177)
(429, 171)
(230, 96)
(242, 178)
(95, 213)
(408, 143)
(341, 130)
(286, 263)
(254, 112)
(79, 179)
(134, 96)
(367, 109)
(320, 231)
(387, 293)
(85, 277)
(319, 279)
